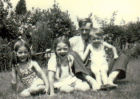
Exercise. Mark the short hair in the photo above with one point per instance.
(83, 22)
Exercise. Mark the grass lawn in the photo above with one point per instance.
(128, 88)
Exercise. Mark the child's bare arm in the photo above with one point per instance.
(40, 71)
(57, 73)
(71, 61)
(113, 49)
(51, 82)
(14, 81)
(13, 76)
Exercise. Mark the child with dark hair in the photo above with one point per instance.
(27, 70)
(59, 68)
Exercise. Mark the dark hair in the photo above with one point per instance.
(56, 42)
(20, 43)
(17, 45)
(83, 22)
(60, 39)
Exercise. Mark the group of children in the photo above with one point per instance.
(60, 72)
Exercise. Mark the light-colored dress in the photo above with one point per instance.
(64, 75)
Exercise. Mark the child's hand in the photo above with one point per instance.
(116, 56)
(14, 86)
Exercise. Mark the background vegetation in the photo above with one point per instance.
(40, 27)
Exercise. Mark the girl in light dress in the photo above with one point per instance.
(99, 65)
(27, 71)
(59, 69)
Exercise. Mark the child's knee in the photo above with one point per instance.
(66, 88)
(83, 86)
(36, 89)
(57, 84)
(25, 93)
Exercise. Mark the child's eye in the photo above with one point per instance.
(65, 48)
(58, 49)
(85, 29)
(26, 52)
(20, 52)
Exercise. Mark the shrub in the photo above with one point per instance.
(51, 24)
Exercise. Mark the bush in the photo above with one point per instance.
(41, 27)
(51, 24)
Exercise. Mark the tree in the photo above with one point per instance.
(60, 23)
(8, 32)
(21, 7)
(50, 24)
(8, 22)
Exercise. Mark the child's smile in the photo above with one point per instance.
(22, 54)
(62, 49)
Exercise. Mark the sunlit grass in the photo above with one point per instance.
(128, 88)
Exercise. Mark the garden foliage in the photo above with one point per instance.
(38, 27)
(41, 27)
(21, 7)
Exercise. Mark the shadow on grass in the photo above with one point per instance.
(122, 82)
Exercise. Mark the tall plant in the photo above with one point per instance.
(21, 7)
(51, 24)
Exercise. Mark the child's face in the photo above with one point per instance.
(96, 38)
(96, 41)
(22, 54)
(62, 49)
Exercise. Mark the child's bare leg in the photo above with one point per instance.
(81, 85)
(112, 77)
(35, 89)
(32, 90)
(93, 82)
(104, 77)
(98, 78)
(97, 83)
(25, 93)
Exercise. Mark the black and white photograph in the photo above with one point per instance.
(69, 49)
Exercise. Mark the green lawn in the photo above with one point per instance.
(128, 88)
